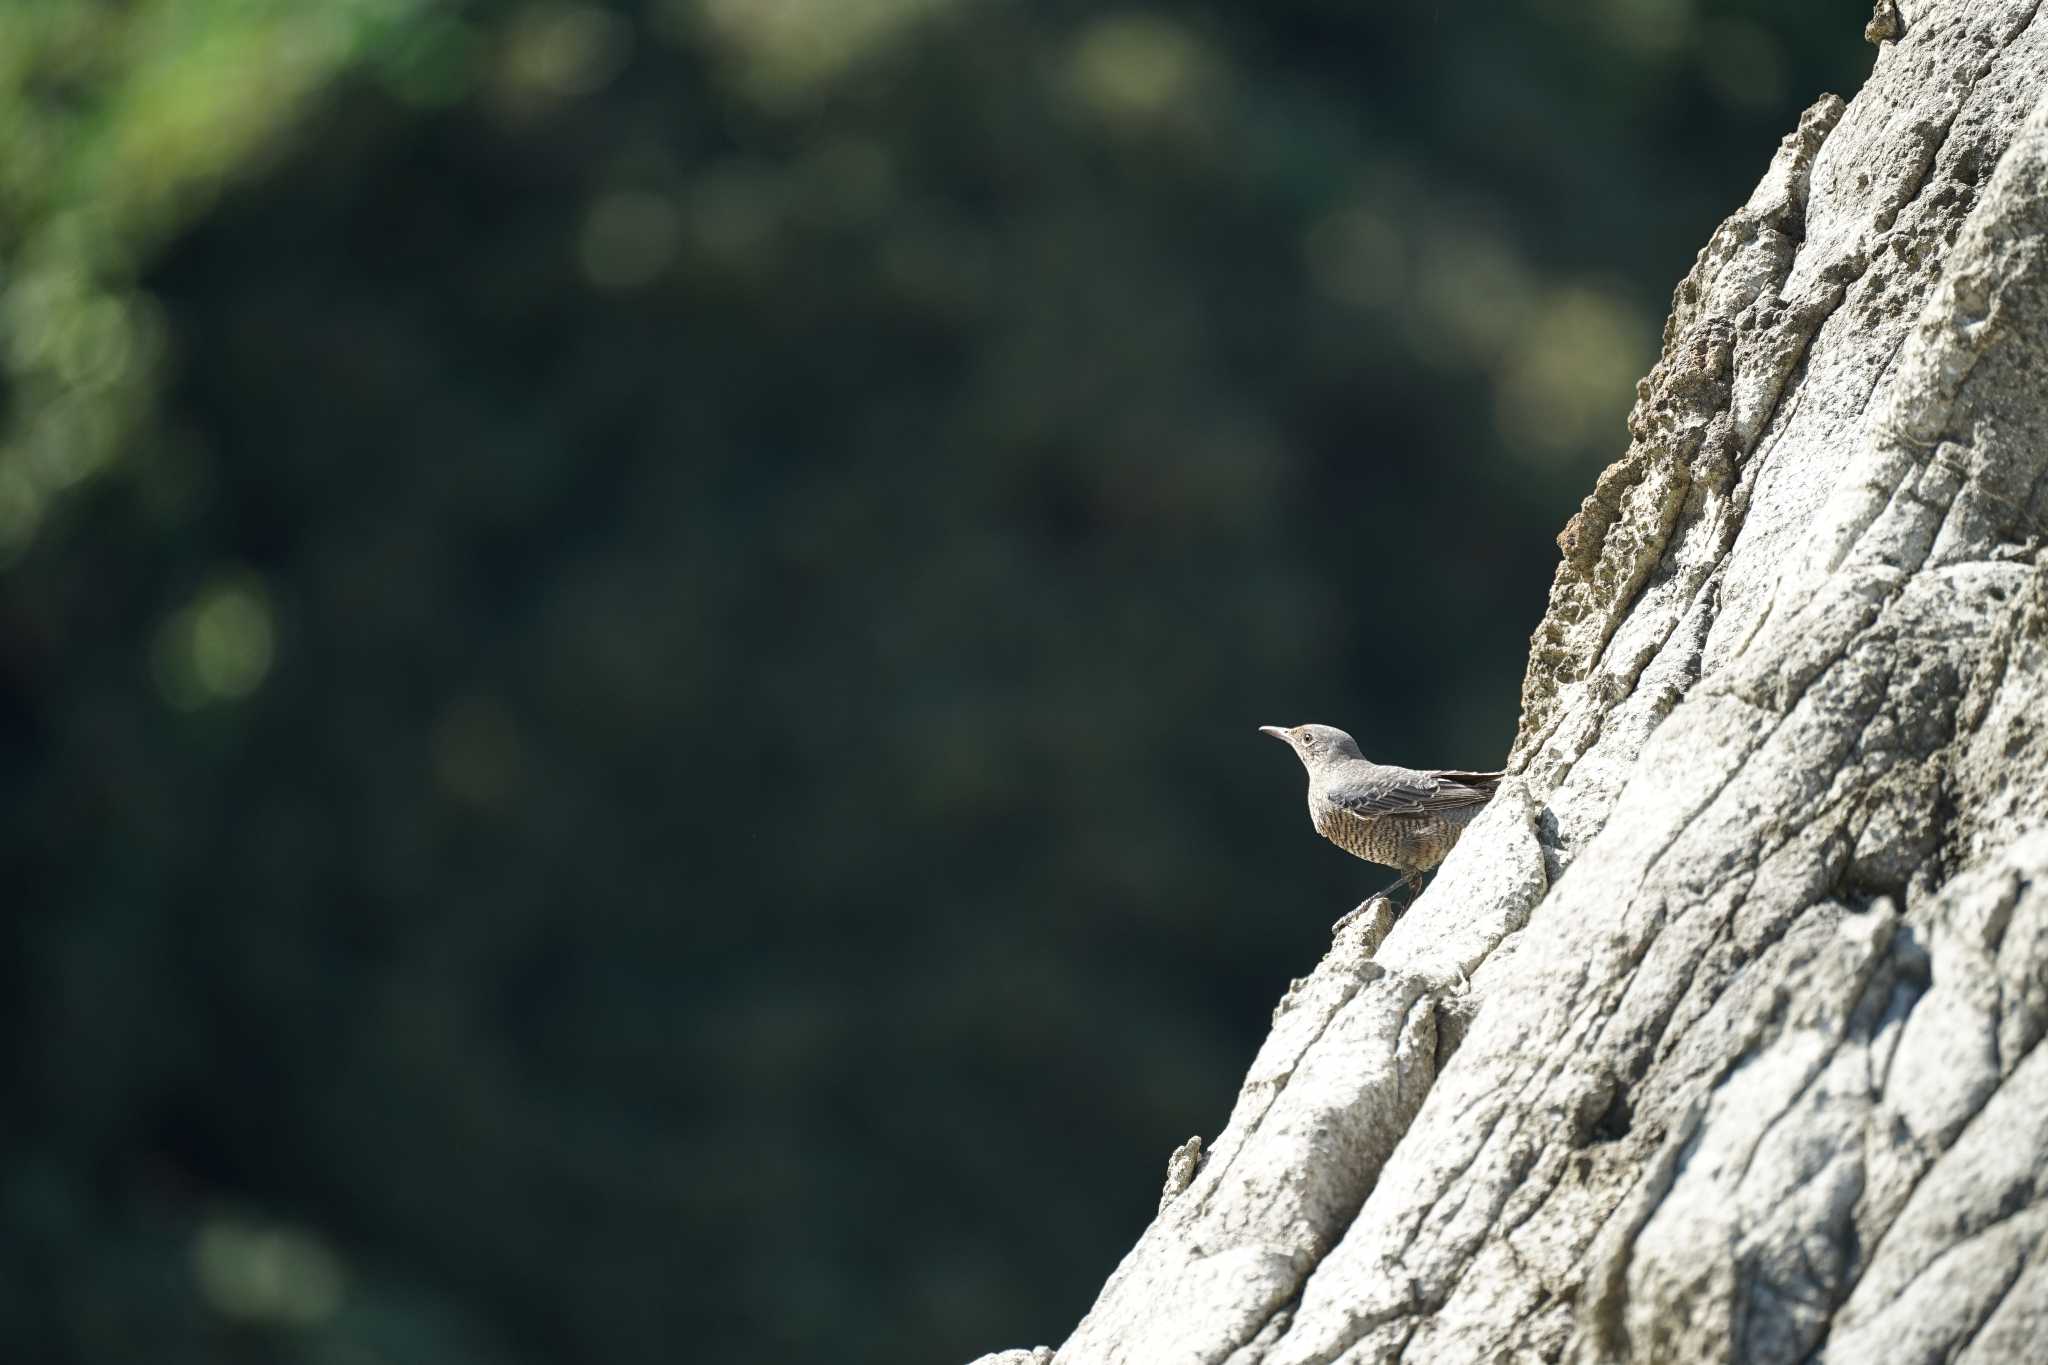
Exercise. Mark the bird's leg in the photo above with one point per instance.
(1381, 894)
(1410, 881)
(1407, 880)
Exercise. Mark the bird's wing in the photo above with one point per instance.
(1404, 791)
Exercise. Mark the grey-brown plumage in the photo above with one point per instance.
(1403, 818)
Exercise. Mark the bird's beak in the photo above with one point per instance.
(1277, 733)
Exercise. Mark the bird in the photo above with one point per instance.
(1403, 818)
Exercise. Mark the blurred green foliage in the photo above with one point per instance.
(631, 636)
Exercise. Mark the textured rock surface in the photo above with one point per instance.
(1717, 1037)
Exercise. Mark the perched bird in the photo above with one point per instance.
(1403, 818)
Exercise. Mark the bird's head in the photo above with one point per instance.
(1315, 744)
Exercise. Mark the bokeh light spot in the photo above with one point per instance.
(33, 307)
(93, 345)
(266, 1274)
(1137, 66)
(561, 51)
(71, 439)
(1566, 384)
(788, 49)
(1475, 293)
(217, 648)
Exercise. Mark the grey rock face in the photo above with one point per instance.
(1756, 932)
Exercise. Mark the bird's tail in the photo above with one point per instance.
(1484, 782)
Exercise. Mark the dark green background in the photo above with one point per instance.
(631, 638)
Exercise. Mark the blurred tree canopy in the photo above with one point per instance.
(630, 635)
